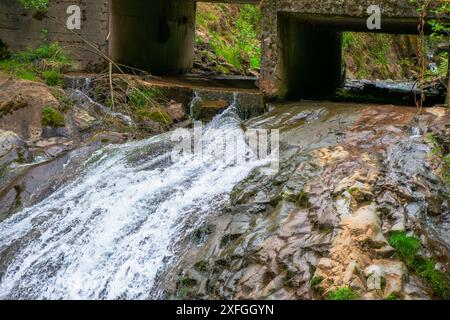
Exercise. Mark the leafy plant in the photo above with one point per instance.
(52, 117)
(38, 5)
(440, 156)
(316, 281)
(52, 77)
(406, 246)
(44, 62)
(437, 280)
(239, 45)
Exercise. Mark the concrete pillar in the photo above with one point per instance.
(154, 35)
(311, 60)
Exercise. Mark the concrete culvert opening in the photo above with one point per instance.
(332, 59)
(215, 44)
(155, 36)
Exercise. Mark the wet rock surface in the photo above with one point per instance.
(350, 175)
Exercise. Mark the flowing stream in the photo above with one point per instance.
(112, 231)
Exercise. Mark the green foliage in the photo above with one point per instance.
(381, 53)
(344, 293)
(441, 156)
(302, 200)
(353, 190)
(65, 101)
(438, 281)
(144, 104)
(153, 114)
(406, 246)
(372, 55)
(392, 296)
(140, 97)
(201, 266)
(440, 28)
(316, 281)
(21, 157)
(46, 51)
(349, 40)
(52, 77)
(52, 117)
(3, 51)
(239, 45)
(184, 284)
(38, 5)
(44, 62)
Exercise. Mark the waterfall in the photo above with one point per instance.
(195, 98)
(80, 88)
(83, 100)
(119, 225)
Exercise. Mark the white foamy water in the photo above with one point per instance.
(112, 231)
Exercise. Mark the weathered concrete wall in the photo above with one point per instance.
(157, 35)
(20, 28)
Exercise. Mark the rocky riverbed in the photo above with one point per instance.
(350, 176)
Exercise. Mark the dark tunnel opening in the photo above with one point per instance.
(314, 61)
(156, 36)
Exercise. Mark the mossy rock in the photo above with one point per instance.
(201, 266)
(153, 114)
(344, 293)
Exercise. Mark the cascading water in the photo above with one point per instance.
(109, 233)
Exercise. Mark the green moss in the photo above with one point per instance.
(153, 114)
(21, 157)
(201, 266)
(344, 293)
(406, 246)
(353, 190)
(440, 156)
(289, 279)
(437, 280)
(184, 284)
(302, 200)
(316, 281)
(202, 233)
(52, 117)
(392, 296)
(18, 200)
(383, 283)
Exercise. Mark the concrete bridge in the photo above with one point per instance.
(301, 39)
